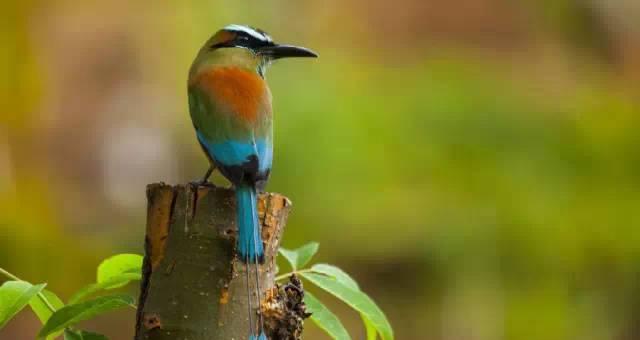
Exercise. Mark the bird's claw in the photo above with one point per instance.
(202, 183)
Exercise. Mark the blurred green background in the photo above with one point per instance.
(475, 164)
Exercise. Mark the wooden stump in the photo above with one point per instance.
(193, 287)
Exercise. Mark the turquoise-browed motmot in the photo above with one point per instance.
(230, 106)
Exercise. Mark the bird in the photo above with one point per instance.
(231, 111)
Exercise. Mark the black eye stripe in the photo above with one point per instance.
(243, 39)
(218, 45)
(246, 37)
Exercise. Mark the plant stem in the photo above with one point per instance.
(40, 295)
(9, 275)
(46, 302)
(284, 276)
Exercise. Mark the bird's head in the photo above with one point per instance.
(248, 47)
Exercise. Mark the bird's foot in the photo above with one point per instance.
(202, 183)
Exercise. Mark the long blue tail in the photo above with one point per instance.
(250, 249)
(249, 244)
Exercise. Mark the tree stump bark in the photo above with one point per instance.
(193, 287)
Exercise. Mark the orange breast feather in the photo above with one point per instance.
(244, 92)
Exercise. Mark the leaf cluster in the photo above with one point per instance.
(339, 284)
(60, 318)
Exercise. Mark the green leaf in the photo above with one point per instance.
(372, 334)
(114, 272)
(40, 308)
(116, 266)
(344, 278)
(14, 296)
(324, 318)
(111, 283)
(336, 273)
(84, 292)
(301, 256)
(72, 314)
(356, 299)
(82, 335)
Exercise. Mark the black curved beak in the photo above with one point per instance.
(287, 51)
